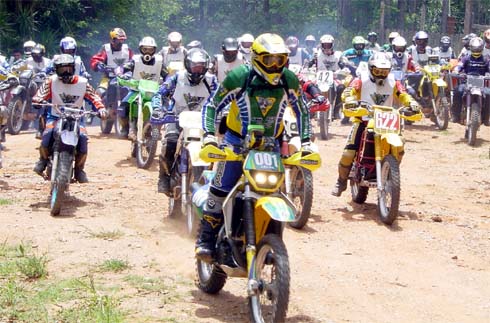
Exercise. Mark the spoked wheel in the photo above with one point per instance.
(210, 278)
(324, 124)
(192, 218)
(473, 124)
(16, 109)
(302, 187)
(61, 181)
(441, 110)
(121, 127)
(359, 193)
(106, 125)
(146, 149)
(174, 208)
(270, 304)
(389, 196)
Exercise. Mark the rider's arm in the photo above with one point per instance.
(353, 91)
(100, 57)
(93, 98)
(403, 97)
(44, 92)
(410, 65)
(296, 100)
(168, 87)
(128, 67)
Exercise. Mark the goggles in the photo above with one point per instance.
(359, 46)
(147, 50)
(69, 52)
(399, 49)
(65, 70)
(380, 72)
(246, 45)
(117, 41)
(270, 60)
(327, 45)
(198, 68)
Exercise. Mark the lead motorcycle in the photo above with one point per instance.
(250, 244)
(377, 161)
(112, 99)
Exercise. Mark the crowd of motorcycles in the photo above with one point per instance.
(275, 188)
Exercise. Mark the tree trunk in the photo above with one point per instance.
(382, 19)
(467, 16)
(402, 11)
(423, 9)
(445, 13)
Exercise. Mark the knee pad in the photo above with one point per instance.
(347, 158)
(214, 203)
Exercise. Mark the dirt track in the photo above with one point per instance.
(432, 265)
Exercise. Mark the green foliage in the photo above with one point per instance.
(114, 265)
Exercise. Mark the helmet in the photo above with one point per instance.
(68, 45)
(372, 37)
(196, 63)
(421, 39)
(392, 36)
(269, 56)
(28, 45)
(174, 39)
(359, 43)
(246, 43)
(194, 44)
(292, 43)
(64, 65)
(229, 48)
(327, 43)
(379, 67)
(148, 48)
(399, 45)
(445, 43)
(38, 52)
(466, 40)
(118, 36)
(476, 46)
(310, 41)
(486, 36)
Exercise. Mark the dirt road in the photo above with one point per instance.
(432, 265)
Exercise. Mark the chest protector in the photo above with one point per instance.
(400, 64)
(37, 67)
(446, 55)
(173, 57)
(115, 59)
(328, 62)
(147, 72)
(189, 97)
(377, 94)
(224, 67)
(296, 59)
(62, 93)
(421, 58)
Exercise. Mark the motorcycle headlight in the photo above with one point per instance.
(266, 181)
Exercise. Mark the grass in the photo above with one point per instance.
(146, 284)
(5, 201)
(33, 267)
(107, 235)
(114, 265)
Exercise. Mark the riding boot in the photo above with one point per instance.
(341, 184)
(42, 162)
(80, 175)
(206, 242)
(132, 130)
(40, 127)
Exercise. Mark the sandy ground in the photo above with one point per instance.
(432, 265)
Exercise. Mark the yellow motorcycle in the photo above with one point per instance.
(250, 244)
(377, 161)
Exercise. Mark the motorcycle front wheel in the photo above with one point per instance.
(61, 181)
(473, 124)
(192, 218)
(16, 109)
(324, 124)
(272, 272)
(441, 110)
(121, 127)
(302, 195)
(359, 193)
(146, 150)
(389, 196)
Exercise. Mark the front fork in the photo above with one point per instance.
(377, 154)
(184, 171)
(250, 238)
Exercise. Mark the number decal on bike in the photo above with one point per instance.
(265, 160)
(387, 121)
(262, 160)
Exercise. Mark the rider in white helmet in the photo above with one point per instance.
(174, 53)
(245, 42)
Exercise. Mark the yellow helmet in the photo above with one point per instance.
(269, 56)
(117, 33)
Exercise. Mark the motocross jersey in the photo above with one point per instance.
(173, 59)
(35, 66)
(463, 53)
(328, 62)
(444, 57)
(421, 59)
(373, 47)
(352, 56)
(223, 68)
(116, 58)
(472, 65)
(403, 63)
(256, 102)
(79, 66)
(147, 72)
(298, 58)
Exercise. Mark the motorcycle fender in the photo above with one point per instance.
(267, 208)
(19, 90)
(437, 84)
(69, 138)
(476, 91)
(393, 139)
(194, 147)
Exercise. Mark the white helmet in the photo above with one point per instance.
(148, 48)
(399, 45)
(28, 46)
(379, 67)
(174, 36)
(245, 43)
(327, 44)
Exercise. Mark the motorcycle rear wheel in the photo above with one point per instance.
(121, 127)
(210, 278)
(474, 123)
(106, 125)
(442, 111)
(302, 186)
(389, 196)
(359, 193)
(273, 275)
(61, 182)
(146, 150)
(16, 110)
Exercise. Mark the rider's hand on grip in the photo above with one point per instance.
(319, 99)
(39, 105)
(103, 113)
(414, 106)
(351, 104)
(306, 147)
(209, 139)
(101, 67)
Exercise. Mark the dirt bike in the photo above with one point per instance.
(432, 93)
(377, 161)
(145, 146)
(187, 167)
(60, 169)
(112, 100)
(20, 105)
(473, 107)
(250, 244)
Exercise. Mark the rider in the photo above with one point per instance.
(388, 46)
(111, 55)
(310, 42)
(486, 49)
(296, 55)
(465, 41)
(66, 88)
(245, 43)
(357, 54)
(475, 63)
(420, 53)
(190, 90)
(228, 60)
(372, 44)
(28, 46)
(68, 45)
(400, 59)
(377, 86)
(262, 91)
(148, 66)
(37, 62)
(444, 51)
(174, 53)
